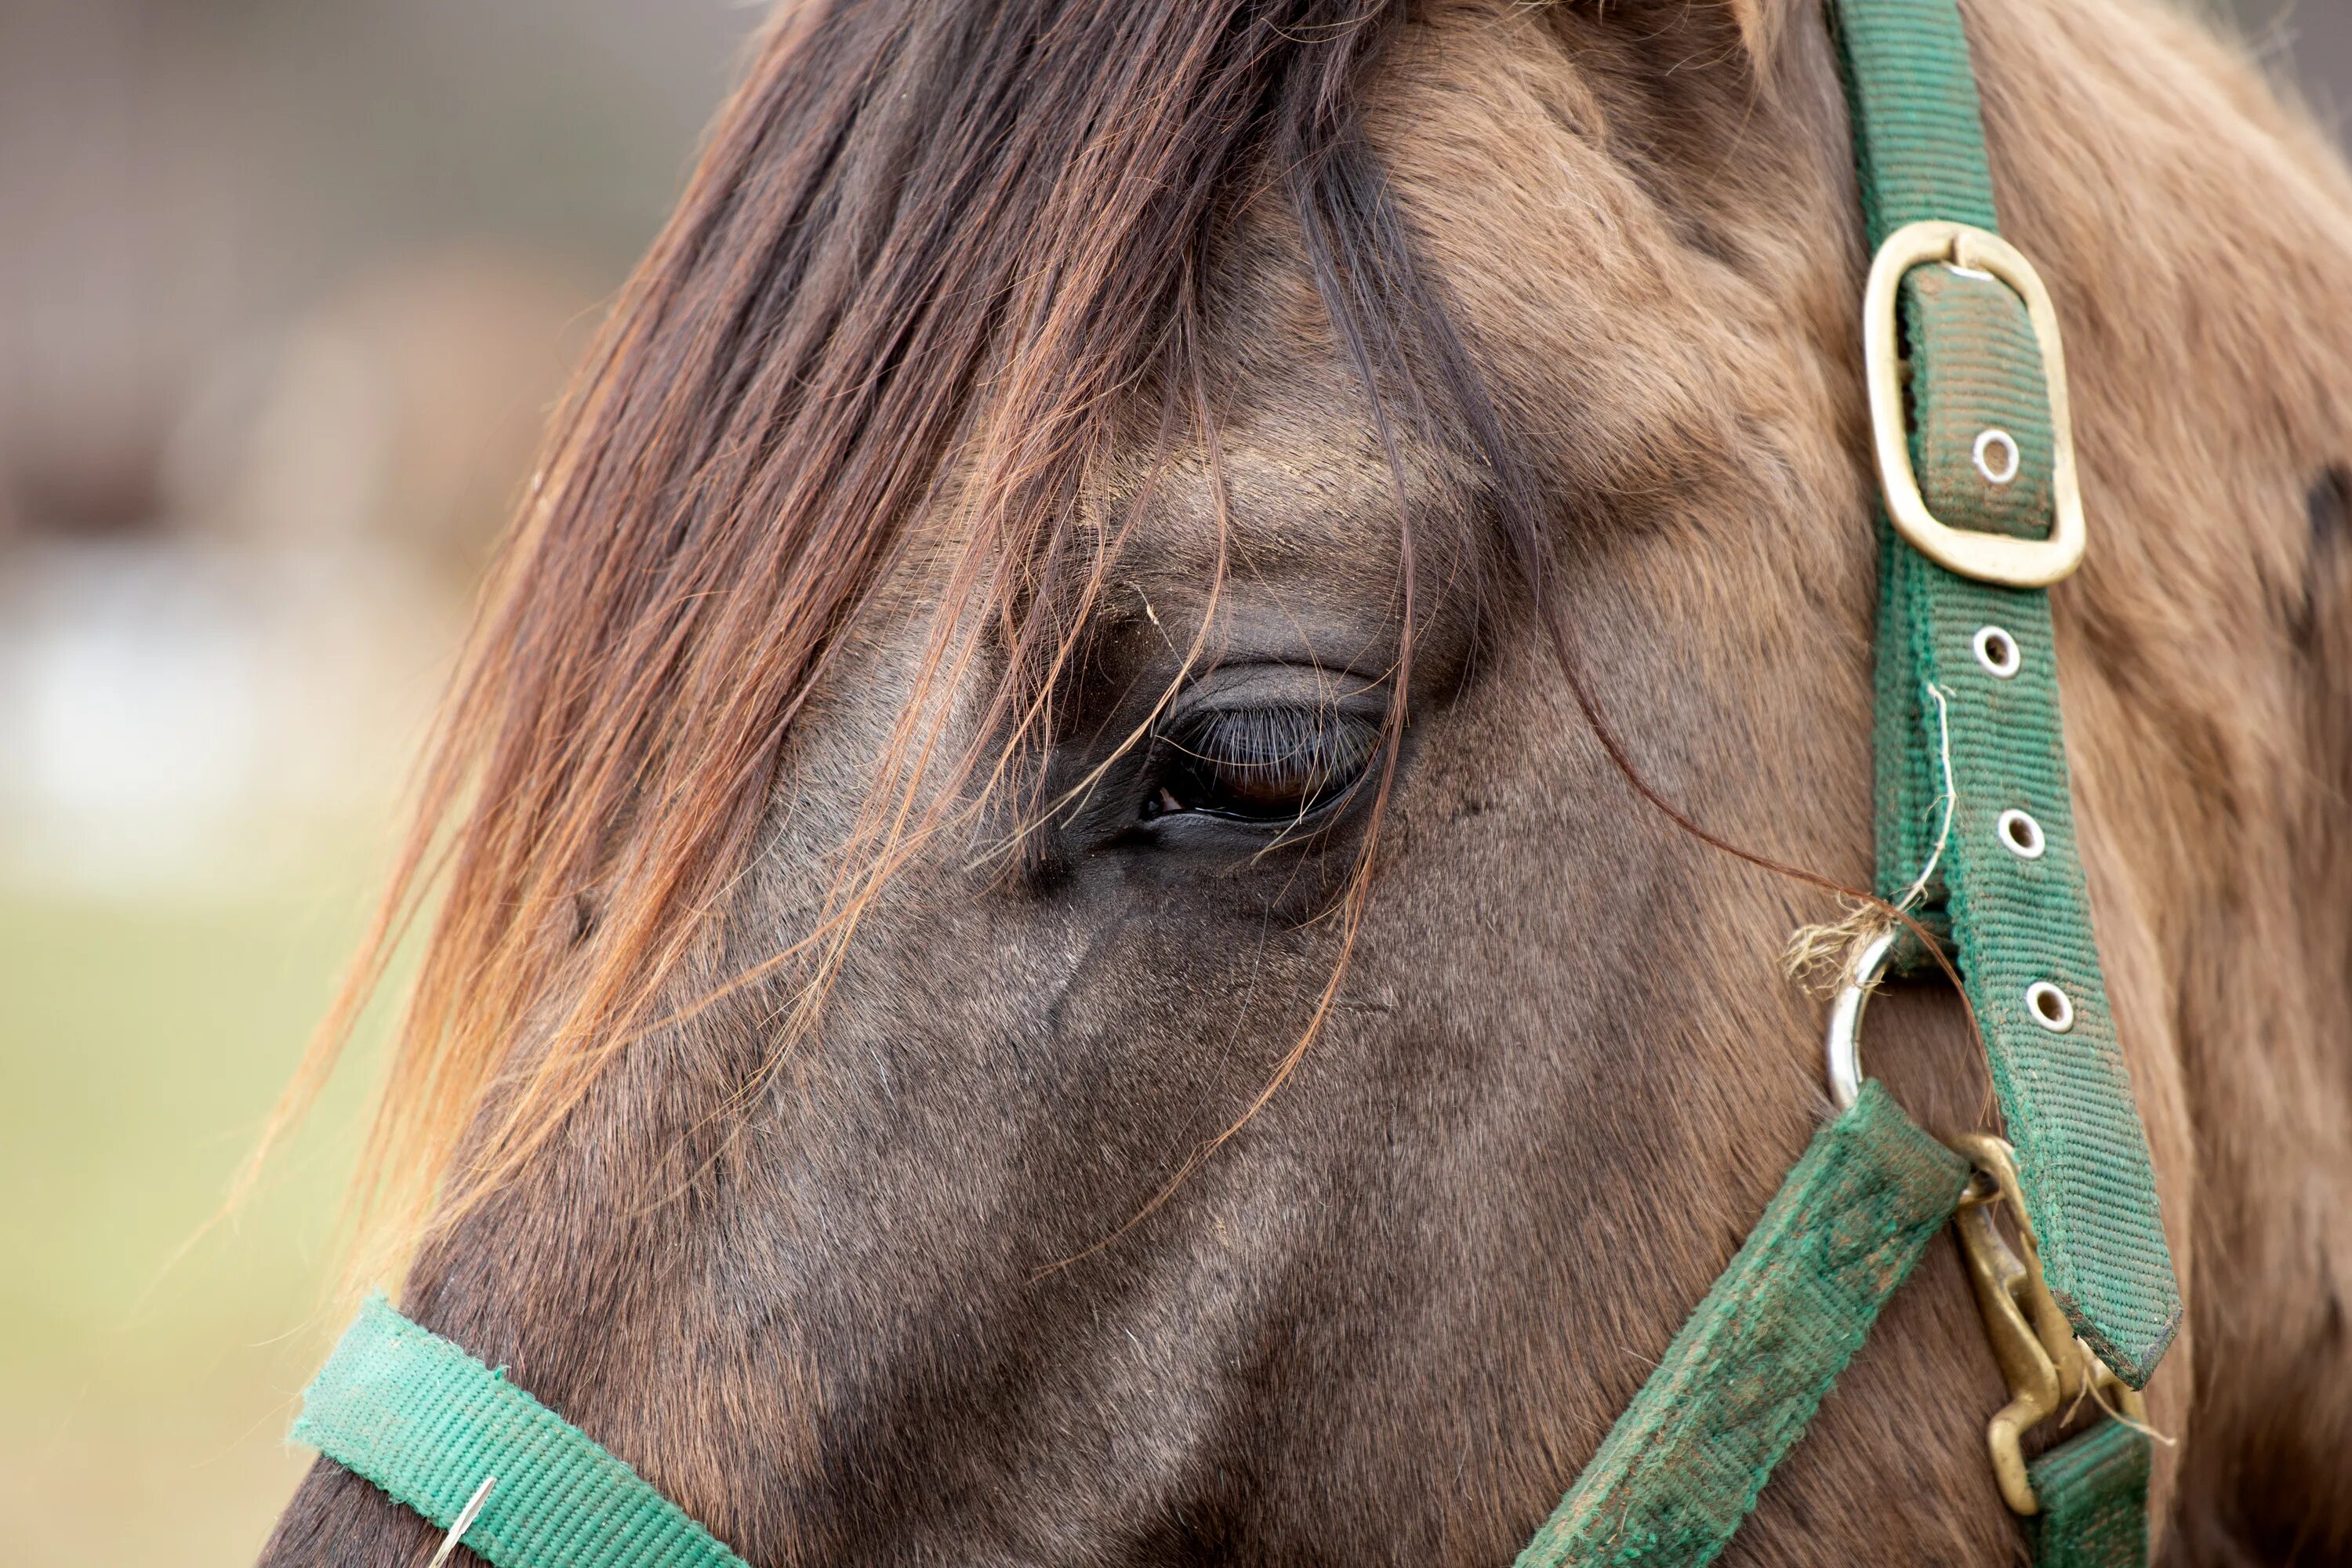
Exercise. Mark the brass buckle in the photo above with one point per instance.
(1988, 557)
(2046, 1366)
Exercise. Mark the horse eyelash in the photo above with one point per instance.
(1324, 749)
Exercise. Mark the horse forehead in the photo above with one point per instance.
(1515, 154)
(1611, 340)
(1612, 279)
(1293, 501)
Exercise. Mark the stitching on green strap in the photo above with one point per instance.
(1918, 129)
(403, 1407)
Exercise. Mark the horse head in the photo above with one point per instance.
(1114, 859)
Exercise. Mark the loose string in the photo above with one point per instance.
(464, 1522)
(1834, 949)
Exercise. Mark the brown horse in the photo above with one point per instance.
(1094, 898)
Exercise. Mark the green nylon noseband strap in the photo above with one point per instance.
(1684, 1464)
(412, 1412)
(2015, 921)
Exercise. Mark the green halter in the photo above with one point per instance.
(1976, 840)
(433, 1426)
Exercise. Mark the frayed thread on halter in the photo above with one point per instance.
(1822, 958)
(2114, 1411)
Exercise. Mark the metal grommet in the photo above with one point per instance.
(2020, 835)
(1996, 456)
(2050, 1008)
(1998, 652)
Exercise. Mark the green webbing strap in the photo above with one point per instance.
(1683, 1465)
(404, 1408)
(2093, 1495)
(2065, 1098)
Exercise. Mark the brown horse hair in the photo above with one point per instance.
(922, 241)
(926, 259)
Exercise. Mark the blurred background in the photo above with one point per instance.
(286, 289)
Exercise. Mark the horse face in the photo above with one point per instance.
(1285, 1117)
(1293, 1116)
(1144, 1191)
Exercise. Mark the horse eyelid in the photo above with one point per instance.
(1325, 749)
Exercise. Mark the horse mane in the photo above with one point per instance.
(931, 250)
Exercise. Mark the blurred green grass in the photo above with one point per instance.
(148, 1363)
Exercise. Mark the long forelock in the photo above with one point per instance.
(925, 239)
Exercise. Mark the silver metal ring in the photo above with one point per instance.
(1996, 456)
(2050, 1006)
(1844, 1043)
(2020, 835)
(1998, 652)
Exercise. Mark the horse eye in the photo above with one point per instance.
(1260, 765)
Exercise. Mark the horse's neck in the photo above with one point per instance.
(2199, 236)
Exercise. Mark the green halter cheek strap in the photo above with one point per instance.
(1968, 671)
(1975, 829)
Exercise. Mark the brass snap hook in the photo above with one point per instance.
(2047, 1368)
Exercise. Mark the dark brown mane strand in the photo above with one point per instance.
(923, 236)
